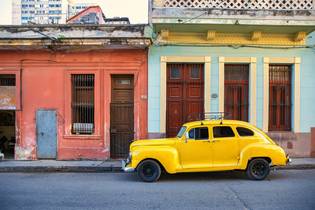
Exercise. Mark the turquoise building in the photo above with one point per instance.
(253, 60)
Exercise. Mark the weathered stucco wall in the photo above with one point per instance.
(43, 86)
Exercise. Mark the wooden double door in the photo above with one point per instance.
(185, 95)
(121, 115)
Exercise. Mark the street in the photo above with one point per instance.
(285, 189)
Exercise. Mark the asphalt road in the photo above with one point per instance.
(286, 189)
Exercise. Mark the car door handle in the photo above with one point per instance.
(214, 141)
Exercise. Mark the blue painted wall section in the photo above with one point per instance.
(307, 76)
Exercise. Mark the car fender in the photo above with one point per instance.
(272, 151)
(167, 156)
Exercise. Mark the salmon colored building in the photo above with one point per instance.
(72, 92)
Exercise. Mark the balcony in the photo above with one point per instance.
(285, 5)
(248, 12)
(291, 20)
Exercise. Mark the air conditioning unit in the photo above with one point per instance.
(82, 128)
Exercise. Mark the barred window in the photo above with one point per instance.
(236, 80)
(82, 103)
(7, 80)
(280, 105)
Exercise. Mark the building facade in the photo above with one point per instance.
(86, 91)
(252, 60)
(75, 7)
(90, 15)
(45, 11)
(39, 12)
(72, 95)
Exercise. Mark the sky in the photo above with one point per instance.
(136, 10)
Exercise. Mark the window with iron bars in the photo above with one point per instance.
(236, 91)
(280, 105)
(7, 80)
(82, 103)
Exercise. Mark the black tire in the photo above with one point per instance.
(258, 169)
(149, 171)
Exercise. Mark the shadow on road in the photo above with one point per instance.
(205, 176)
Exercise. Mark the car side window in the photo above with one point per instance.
(223, 132)
(244, 131)
(199, 133)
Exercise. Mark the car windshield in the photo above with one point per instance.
(181, 132)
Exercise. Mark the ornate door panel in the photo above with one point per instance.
(185, 95)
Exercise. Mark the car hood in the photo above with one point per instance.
(154, 142)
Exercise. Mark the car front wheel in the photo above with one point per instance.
(258, 169)
(149, 171)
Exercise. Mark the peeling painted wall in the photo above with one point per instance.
(7, 98)
(44, 84)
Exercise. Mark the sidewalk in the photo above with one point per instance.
(104, 166)
(59, 166)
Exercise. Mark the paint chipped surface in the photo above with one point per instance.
(65, 32)
(78, 37)
(7, 98)
(24, 153)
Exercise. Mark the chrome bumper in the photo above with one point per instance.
(125, 168)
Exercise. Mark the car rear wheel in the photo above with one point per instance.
(149, 171)
(258, 169)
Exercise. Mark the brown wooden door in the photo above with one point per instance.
(121, 115)
(185, 95)
(236, 91)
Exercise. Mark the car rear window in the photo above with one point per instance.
(223, 132)
(244, 131)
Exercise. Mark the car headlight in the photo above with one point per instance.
(129, 158)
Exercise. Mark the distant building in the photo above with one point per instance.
(117, 21)
(76, 7)
(16, 12)
(90, 15)
(95, 15)
(40, 12)
(45, 11)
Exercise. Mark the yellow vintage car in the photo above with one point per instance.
(207, 145)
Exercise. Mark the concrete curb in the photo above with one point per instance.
(60, 169)
(103, 169)
(297, 167)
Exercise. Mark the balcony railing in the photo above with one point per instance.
(287, 5)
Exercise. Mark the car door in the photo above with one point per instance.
(225, 147)
(195, 149)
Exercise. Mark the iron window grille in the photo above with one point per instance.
(280, 96)
(82, 104)
(7, 80)
(236, 100)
